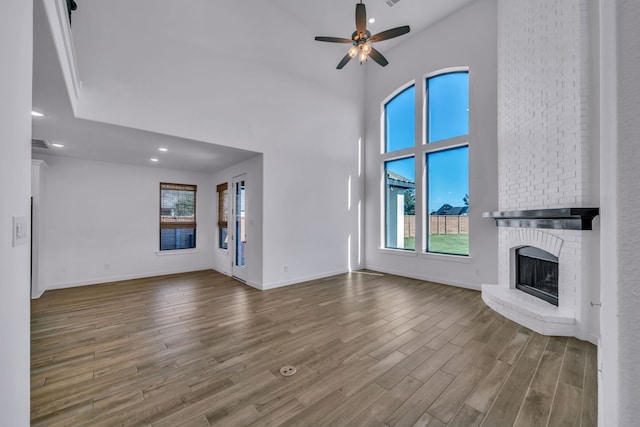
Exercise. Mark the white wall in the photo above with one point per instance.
(620, 155)
(465, 38)
(310, 215)
(102, 223)
(628, 232)
(15, 177)
(300, 112)
(222, 259)
(233, 92)
(38, 172)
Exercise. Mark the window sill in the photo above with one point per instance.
(427, 255)
(446, 257)
(398, 252)
(177, 252)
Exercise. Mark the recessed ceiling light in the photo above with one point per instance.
(372, 20)
(36, 114)
(153, 159)
(163, 149)
(55, 144)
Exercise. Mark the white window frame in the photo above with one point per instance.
(218, 219)
(419, 151)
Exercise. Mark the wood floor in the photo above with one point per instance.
(201, 349)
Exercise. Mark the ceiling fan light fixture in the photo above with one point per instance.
(361, 39)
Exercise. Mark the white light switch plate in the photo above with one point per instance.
(20, 231)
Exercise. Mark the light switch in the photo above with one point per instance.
(20, 231)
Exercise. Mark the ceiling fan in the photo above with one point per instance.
(361, 40)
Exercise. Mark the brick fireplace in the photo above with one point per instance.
(537, 273)
(545, 158)
(532, 311)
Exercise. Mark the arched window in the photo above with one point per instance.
(399, 172)
(435, 218)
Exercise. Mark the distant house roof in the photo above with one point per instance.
(447, 209)
(396, 180)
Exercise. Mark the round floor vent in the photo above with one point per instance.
(287, 371)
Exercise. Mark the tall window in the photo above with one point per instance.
(177, 216)
(448, 201)
(400, 174)
(223, 215)
(442, 158)
(400, 203)
(447, 163)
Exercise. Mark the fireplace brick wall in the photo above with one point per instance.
(543, 135)
(542, 103)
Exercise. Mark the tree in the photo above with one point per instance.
(409, 202)
(465, 199)
(184, 206)
(180, 203)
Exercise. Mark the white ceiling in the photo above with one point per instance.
(337, 17)
(233, 25)
(105, 142)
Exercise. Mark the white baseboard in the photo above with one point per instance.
(590, 338)
(37, 296)
(96, 281)
(226, 273)
(259, 286)
(255, 285)
(472, 286)
(297, 280)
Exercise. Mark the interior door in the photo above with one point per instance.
(239, 236)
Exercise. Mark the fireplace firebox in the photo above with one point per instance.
(537, 273)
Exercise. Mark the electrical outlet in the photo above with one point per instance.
(286, 268)
(20, 231)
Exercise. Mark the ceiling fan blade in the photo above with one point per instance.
(389, 34)
(361, 20)
(344, 61)
(333, 39)
(378, 57)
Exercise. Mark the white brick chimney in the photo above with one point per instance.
(544, 154)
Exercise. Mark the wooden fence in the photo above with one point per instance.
(439, 224)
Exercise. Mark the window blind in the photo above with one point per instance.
(177, 205)
(223, 205)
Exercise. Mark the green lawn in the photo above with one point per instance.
(457, 244)
(410, 243)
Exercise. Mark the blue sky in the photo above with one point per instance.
(447, 170)
(400, 122)
(448, 175)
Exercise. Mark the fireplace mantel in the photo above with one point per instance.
(559, 219)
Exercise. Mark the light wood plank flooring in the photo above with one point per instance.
(201, 349)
